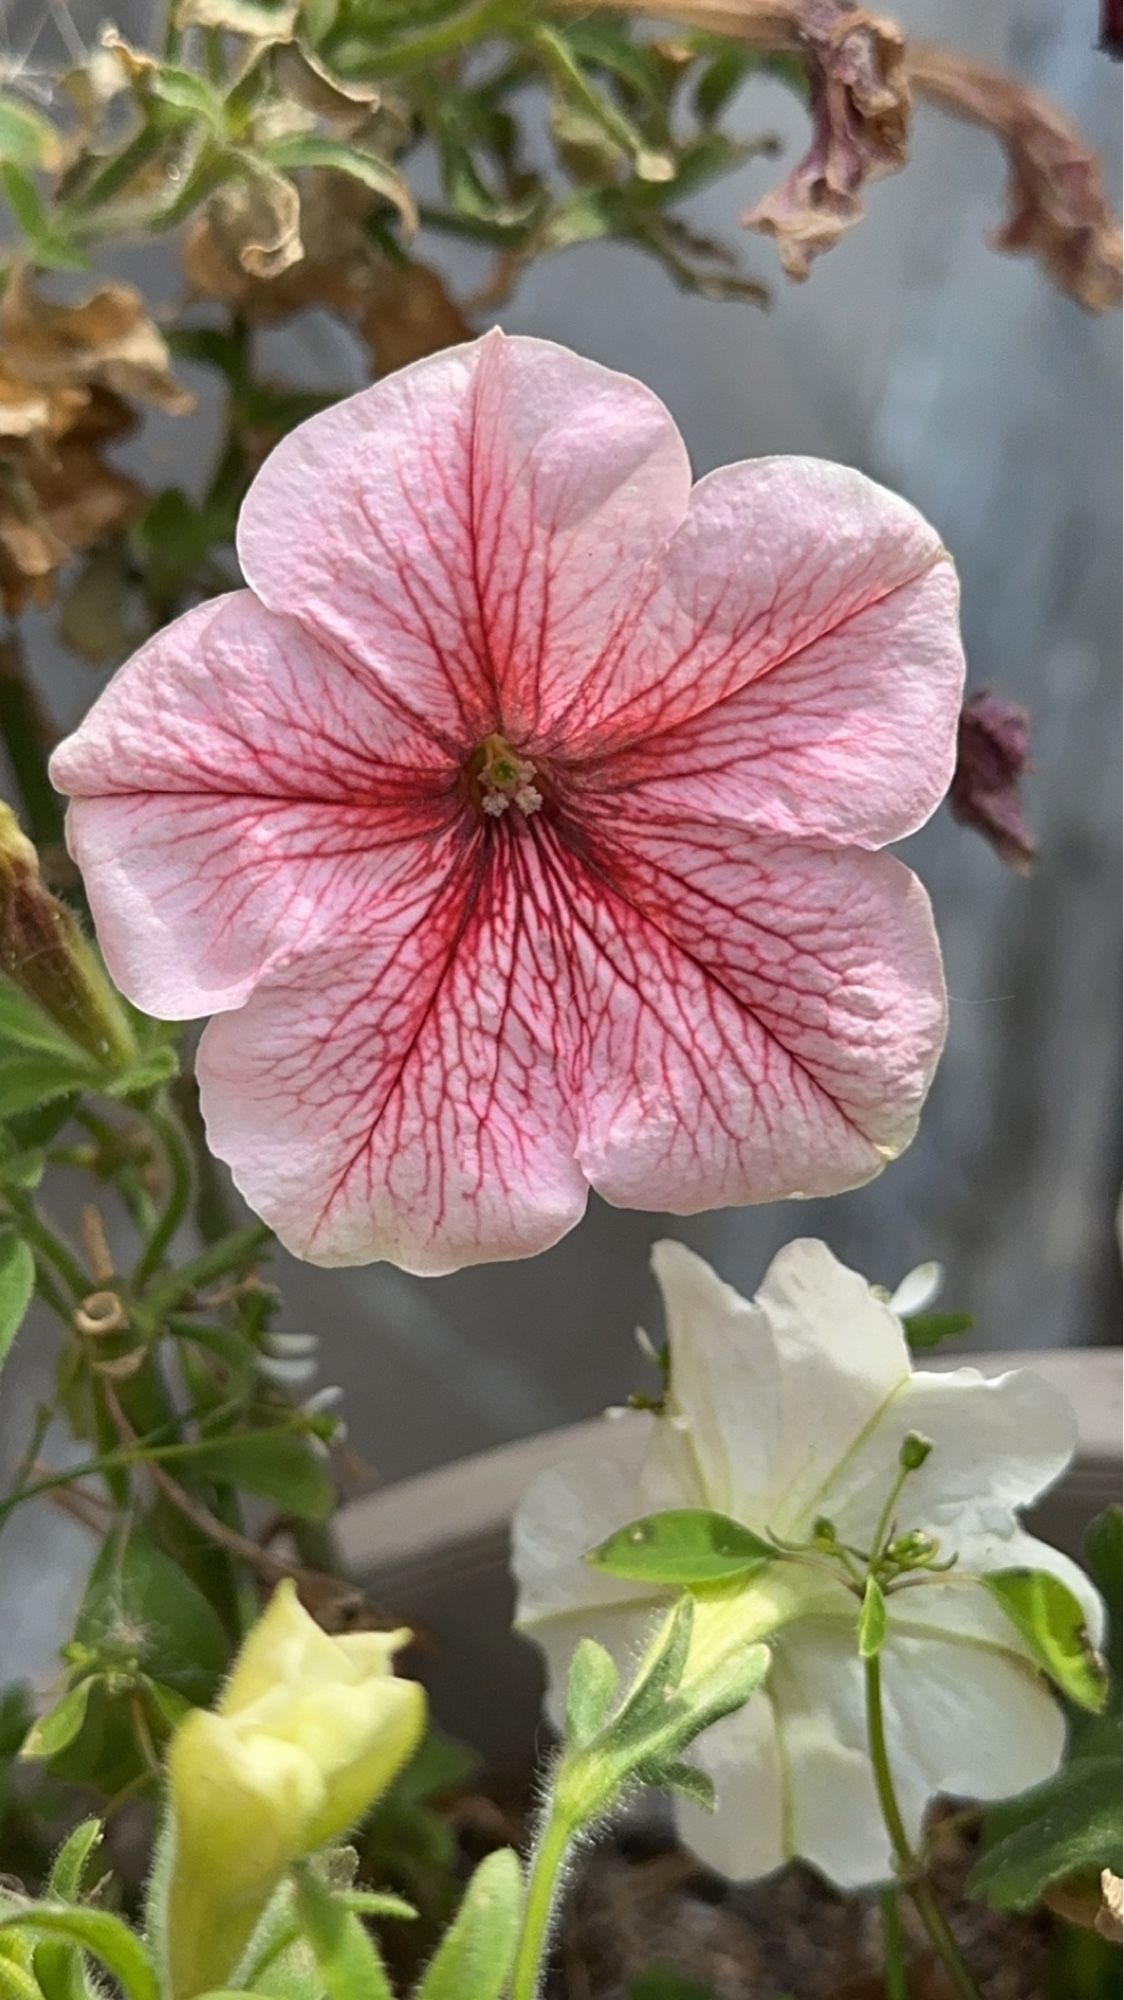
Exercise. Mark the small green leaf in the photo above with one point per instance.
(17, 1284)
(682, 1546)
(58, 1964)
(72, 1860)
(690, 1783)
(104, 1936)
(142, 1609)
(475, 1955)
(590, 1691)
(39, 1060)
(658, 1982)
(53, 248)
(277, 1465)
(1051, 1621)
(1071, 1825)
(346, 1955)
(872, 1620)
(25, 136)
(924, 1330)
(62, 1723)
(307, 150)
(1104, 1560)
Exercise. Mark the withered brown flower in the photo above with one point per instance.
(1059, 211)
(992, 754)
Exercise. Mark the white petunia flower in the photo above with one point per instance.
(783, 1411)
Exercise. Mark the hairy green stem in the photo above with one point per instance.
(925, 1903)
(543, 1885)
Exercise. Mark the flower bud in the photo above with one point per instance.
(308, 1733)
(43, 952)
(913, 1550)
(915, 1450)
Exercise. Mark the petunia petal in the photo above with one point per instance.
(745, 1836)
(406, 1094)
(822, 1351)
(760, 1020)
(792, 663)
(967, 1721)
(237, 796)
(960, 1608)
(478, 519)
(1016, 1425)
(566, 1512)
(833, 1818)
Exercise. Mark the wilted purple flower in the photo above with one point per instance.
(993, 751)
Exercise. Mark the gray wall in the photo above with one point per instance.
(961, 379)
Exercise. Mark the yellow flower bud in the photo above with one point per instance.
(308, 1733)
(43, 951)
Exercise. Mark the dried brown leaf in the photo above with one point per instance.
(1058, 208)
(107, 339)
(409, 314)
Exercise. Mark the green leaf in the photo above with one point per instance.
(39, 1061)
(590, 1691)
(277, 1465)
(17, 1284)
(62, 1723)
(475, 1955)
(346, 1955)
(872, 1620)
(1104, 1560)
(53, 248)
(1051, 1621)
(658, 1982)
(307, 150)
(59, 1965)
(141, 1609)
(682, 1546)
(72, 1860)
(690, 1783)
(104, 1936)
(923, 1330)
(26, 138)
(1071, 1825)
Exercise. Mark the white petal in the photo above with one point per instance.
(996, 1445)
(834, 1820)
(918, 1289)
(566, 1512)
(776, 1392)
(966, 1720)
(745, 1836)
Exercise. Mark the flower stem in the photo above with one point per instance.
(893, 1946)
(181, 1187)
(925, 1903)
(49, 1248)
(540, 1903)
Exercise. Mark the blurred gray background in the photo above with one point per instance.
(963, 380)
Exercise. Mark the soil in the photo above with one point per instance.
(642, 1902)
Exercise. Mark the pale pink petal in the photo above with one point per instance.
(792, 661)
(238, 794)
(760, 1019)
(408, 1094)
(468, 527)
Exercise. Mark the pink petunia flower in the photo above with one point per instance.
(515, 824)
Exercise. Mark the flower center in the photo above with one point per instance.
(498, 777)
